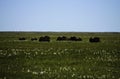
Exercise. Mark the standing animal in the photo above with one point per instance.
(22, 38)
(94, 39)
(62, 38)
(75, 39)
(44, 38)
(32, 39)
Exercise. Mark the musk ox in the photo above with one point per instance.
(44, 38)
(33, 39)
(75, 39)
(62, 38)
(22, 38)
(94, 39)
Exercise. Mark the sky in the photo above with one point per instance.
(60, 15)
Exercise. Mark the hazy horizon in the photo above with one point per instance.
(60, 15)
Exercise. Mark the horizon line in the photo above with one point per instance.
(69, 31)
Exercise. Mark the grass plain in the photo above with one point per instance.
(59, 59)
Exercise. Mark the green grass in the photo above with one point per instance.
(59, 60)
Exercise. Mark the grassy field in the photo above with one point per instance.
(59, 60)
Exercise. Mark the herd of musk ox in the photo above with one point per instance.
(62, 38)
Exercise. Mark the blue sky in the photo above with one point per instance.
(60, 15)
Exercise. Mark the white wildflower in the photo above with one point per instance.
(28, 70)
(35, 73)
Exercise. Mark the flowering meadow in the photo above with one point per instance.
(26, 59)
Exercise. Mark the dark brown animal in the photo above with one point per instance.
(75, 39)
(94, 39)
(22, 38)
(44, 38)
(62, 38)
(33, 39)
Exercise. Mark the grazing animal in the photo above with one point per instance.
(75, 39)
(63, 38)
(79, 39)
(45, 39)
(95, 39)
(22, 38)
(32, 39)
